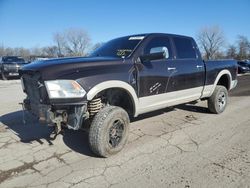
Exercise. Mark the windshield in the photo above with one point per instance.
(13, 59)
(121, 47)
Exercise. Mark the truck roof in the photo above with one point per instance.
(157, 34)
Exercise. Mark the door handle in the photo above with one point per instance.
(199, 66)
(171, 68)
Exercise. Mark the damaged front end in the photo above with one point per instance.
(57, 102)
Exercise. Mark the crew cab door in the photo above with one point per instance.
(174, 80)
(189, 78)
(152, 75)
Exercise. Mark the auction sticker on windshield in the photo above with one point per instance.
(136, 38)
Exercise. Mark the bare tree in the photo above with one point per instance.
(97, 45)
(35, 51)
(2, 50)
(59, 39)
(50, 51)
(232, 52)
(72, 42)
(9, 51)
(23, 52)
(243, 45)
(19, 51)
(210, 40)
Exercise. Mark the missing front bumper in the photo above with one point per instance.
(71, 116)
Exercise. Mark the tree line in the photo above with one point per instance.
(77, 42)
(71, 42)
(213, 45)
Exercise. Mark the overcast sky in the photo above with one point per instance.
(31, 23)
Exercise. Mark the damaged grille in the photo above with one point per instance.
(11, 67)
(35, 90)
(31, 88)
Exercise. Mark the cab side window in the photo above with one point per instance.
(184, 48)
(157, 43)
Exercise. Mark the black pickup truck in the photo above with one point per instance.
(10, 65)
(124, 78)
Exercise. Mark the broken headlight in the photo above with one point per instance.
(58, 89)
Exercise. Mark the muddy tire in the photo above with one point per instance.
(109, 131)
(218, 101)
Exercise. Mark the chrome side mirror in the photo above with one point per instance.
(160, 50)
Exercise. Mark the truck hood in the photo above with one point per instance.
(63, 67)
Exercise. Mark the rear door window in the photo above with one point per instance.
(184, 48)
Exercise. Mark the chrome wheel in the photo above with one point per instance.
(222, 100)
(217, 102)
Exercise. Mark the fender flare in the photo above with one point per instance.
(114, 84)
(222, 73)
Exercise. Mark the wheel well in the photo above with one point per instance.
(117, 97)
(224, 81)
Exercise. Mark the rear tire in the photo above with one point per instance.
(218, 101)
(4, 77)
(109, 131)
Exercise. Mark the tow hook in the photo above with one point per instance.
(58, 120)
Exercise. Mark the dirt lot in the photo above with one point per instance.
(182, 146)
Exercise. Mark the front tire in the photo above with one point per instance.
(218, 101)
(3, 76)
(109, 131)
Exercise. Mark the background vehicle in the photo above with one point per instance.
(10, 65)
(243, 66)
(124, 78)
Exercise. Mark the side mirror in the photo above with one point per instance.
(156, 54)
